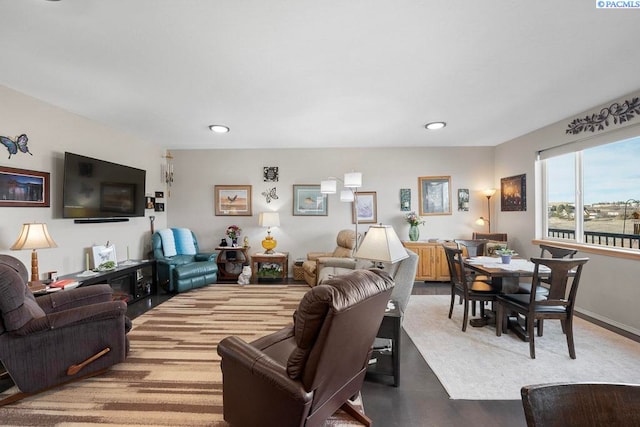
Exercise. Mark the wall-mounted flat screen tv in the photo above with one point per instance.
(95, 188)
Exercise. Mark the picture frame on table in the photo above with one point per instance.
(434, 195)
(232, 200)
(365, 207)
(24, 188)
(309, 201)
(513, 193)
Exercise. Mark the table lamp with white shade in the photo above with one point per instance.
(381, 245)
(269, 219)
(34, 236)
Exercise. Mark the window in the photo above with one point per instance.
(592, 195)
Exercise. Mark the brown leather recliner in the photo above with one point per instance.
(53, 339)
(300, 375)
(346, 243)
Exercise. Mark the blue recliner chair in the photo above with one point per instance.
(180, 265)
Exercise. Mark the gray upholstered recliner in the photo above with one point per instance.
(180, 265)
(59, 337)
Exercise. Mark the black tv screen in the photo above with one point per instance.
(95, 188)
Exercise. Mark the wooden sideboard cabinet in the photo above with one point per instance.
(432, 266)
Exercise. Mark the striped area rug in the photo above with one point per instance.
(172, 376)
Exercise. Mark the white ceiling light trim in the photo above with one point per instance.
(219, 128)
(435, 125)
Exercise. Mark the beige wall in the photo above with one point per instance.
(51, 132)
(609, 288)
(384, 171)
(608, 291)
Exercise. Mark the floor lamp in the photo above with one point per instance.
(352, 181)
(488, 194)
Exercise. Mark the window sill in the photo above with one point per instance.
(633, 254)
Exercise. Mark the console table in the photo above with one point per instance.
(132, 280)
(262, 260)
(230, 261)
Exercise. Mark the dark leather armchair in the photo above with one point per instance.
(581, 404)
(59, 337)
(180, 264)
(300, 375)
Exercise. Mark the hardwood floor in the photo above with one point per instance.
(420, 400)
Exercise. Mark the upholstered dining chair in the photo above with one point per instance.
(473, 248)
(300, 375)
(59, 337)
(581, 404)
(563, 278)
(464, 285)
(553, 252)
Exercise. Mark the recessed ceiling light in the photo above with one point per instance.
(435, 125)
(219, 128)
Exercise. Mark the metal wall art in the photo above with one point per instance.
(618, 113)
(20, 144)
(270, 194)
(270, 173)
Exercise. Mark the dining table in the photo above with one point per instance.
(506, 278)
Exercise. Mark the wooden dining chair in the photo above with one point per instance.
(464, 285)
(554, 252)
(581, 404)
(563, 280)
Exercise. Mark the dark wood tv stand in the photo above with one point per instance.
(130, 281)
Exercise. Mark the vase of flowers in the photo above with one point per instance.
(414, 221)
(233, 232)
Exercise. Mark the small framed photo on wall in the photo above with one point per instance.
(366, 208)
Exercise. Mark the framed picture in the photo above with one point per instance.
(159, 194)
(309, 201)
(149, 202)
(24, 188)
(102, 255)
(366, 208)
(158, 207)
(463, 199)
(405, 199)
(513, 193)
(233, 200)
(435, 195)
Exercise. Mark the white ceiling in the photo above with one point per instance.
(322, 73)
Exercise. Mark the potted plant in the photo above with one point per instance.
(505, 254)
(414, 221)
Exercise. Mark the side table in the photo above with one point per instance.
(272, 266)
(230, 261)
(388, 362)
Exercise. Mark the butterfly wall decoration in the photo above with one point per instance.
(270, 194)
(19, 144)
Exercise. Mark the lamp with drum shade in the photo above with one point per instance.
(34, 236)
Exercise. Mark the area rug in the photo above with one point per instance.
(172, 376)
(478, 365)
